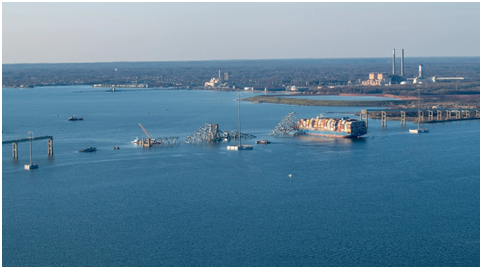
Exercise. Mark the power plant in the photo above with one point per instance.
(379, 79)
(393, 63)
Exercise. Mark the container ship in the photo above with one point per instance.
(332, 127)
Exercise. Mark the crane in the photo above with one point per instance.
(145, 131)
(149, 141)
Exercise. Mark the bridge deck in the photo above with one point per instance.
(28, 139)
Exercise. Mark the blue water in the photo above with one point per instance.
(389, 199)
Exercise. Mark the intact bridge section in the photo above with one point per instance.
(50, 144)
(424, 115)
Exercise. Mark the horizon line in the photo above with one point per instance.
(222, 60)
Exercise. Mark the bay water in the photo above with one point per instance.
(388, 199)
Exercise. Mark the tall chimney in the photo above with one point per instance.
(393, 63)
(219, 76)
(420, 71)
(401, 72)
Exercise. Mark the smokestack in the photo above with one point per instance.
(420, 71)
(401, 72)
(219, 77)
(393, 63)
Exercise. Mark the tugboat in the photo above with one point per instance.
(73, 118)
(89, 149)
(264, 141)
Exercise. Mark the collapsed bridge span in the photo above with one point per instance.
(210, 133)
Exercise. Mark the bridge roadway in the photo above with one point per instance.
(27, 139)
(50, 144)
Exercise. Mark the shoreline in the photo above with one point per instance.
(352, 94)
(380, 95)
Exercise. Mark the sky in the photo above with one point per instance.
(57, 32)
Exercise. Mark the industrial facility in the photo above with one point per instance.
(220, 81)
(386, 79)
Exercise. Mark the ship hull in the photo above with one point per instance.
(329, 133)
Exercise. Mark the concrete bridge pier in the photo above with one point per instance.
(439, 114)
(364, 116)
(449, 115)
(15, 150)
(50, 147)
(477, 114)
(420, 116)
(402, 118)
(457, 114)
(430, 115)
(467, 114)
(384, 118)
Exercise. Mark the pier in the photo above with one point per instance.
(14, 142)
(425, 115)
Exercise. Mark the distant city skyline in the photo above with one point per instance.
(111, 32)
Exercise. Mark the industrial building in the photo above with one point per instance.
(214, 82)
(377, 79)
(385, 79)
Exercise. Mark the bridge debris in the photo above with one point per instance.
(210, 133)
(286, 125)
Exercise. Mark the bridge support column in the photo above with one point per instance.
(384, 118)
(364, 116)
(467, 114)
(15, 150)
(430, 115)
(420, 116)
(50, 147)
(449, 115)
(477, 114)
(457, 115)
(439, 114)
(402, 118)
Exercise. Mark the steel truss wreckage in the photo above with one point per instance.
(286, 125)
(210, 132)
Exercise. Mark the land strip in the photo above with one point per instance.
(471, 101)
(311, 102)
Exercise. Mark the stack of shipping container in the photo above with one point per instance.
(344, 125)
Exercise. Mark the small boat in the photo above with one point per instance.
(89, 149)
(240, 147)
(73, 118)
(116, 147)
(264, 141)
(417, 131)
(136, 141)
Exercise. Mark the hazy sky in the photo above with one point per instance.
(108, 32)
